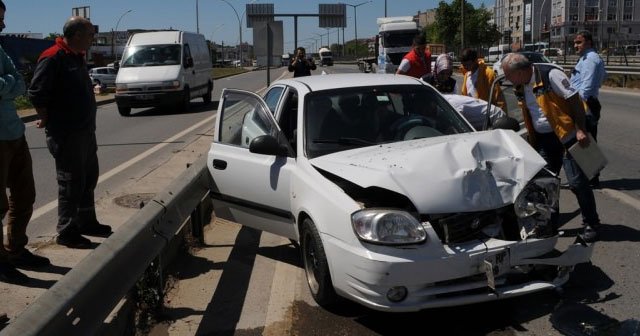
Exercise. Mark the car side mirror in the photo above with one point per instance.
(116, 65)
(506, 123)
(268, 145)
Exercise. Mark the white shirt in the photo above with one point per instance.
(560, 85)
(471, 83)
(474, 109)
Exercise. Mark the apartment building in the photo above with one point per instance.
(612, 22)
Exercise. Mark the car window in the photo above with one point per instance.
(242, 119)
(337, 120)
(272, 97)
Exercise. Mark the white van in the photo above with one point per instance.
(496, 52)
(163, 68)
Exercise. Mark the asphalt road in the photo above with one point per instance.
(246, 282)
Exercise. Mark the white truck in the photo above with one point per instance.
(394, 40)
(326, 57)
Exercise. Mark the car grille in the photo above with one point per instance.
(465, 226)
(396, 58)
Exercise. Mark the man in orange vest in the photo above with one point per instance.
(417, 62)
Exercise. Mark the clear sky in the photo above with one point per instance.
(217, 20)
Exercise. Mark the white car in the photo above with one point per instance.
(396, 202)
(103, 75)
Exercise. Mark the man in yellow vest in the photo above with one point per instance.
(478, 78)
(555, 120)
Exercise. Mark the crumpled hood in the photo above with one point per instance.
(458, 173)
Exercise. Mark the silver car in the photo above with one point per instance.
(103, 75)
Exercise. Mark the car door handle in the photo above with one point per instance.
(219, 164)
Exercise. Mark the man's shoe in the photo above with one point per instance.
(4, 318)
(96, 229)
(590, 234)
(28, 260)
(595, 183)
(73, 239)
(565, 185)
(9, 274)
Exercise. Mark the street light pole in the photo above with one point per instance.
(540, 23)
(239, 28)
(197, 19)
(113, 40)
(355, 21)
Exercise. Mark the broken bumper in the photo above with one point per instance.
(436, 275)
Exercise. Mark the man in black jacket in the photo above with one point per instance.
(62, 94)
(300, 65)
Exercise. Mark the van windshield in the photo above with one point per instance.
(151, 55)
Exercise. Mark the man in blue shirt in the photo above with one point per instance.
(587, 77)
(16, 174)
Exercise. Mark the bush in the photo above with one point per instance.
(22, 102)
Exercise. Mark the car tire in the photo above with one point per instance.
(316, 266)
(207, 97)
(124, 111)
(97, 82)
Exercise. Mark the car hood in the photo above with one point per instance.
(458, 173)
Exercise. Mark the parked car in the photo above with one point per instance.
(103, 75)
(533, 56)
(396, 202)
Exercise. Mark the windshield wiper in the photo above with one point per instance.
(345, 141)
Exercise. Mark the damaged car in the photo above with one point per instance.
(396, 202)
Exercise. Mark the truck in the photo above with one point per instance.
(393, 41)
(326, 57)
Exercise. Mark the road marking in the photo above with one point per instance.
(54, 204)
(624, 198)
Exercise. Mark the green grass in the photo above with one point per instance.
(22, 102)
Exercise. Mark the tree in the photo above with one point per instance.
(477, 30)
(52, 36)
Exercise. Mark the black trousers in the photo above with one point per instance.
(76, 156)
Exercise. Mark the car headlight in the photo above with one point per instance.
(121, 87)
(171, 85)
(388, 227)
(539, 197)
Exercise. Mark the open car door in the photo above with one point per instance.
(250, 188)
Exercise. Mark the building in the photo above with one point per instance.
(612, 22)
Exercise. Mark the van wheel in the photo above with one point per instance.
(186, 100)
(316, 266)
(207, 97)
(124, 111)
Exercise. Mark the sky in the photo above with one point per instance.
(217, 20)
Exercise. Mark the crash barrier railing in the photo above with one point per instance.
(79, 302)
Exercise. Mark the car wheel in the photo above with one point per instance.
(96, 82)
(124, 111)
(185, 105)
(316, 266)
(207, 97)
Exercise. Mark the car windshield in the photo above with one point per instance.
(337, 120)
(151, 55)
(398, 38)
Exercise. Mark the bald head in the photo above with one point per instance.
(74, 25)
(517, 68)
(78, 33)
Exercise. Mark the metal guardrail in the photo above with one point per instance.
(79, 302)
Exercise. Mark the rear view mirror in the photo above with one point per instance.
(116, 65)
(268, 145)
(188, 62)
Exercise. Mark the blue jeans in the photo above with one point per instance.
(554, 152)
(580, 187)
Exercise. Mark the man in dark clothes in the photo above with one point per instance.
(300, 65)
(62, 94)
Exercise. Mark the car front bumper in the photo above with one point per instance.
(437, 275)
(148, 99)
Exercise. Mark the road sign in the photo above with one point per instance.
(332, 15)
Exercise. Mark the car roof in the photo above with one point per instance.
(338, 81)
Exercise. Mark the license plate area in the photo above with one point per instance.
(496, 264)
(144, 97)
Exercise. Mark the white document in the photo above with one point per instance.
(590, 159)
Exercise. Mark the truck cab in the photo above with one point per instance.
(326, 56)
(396, 38)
